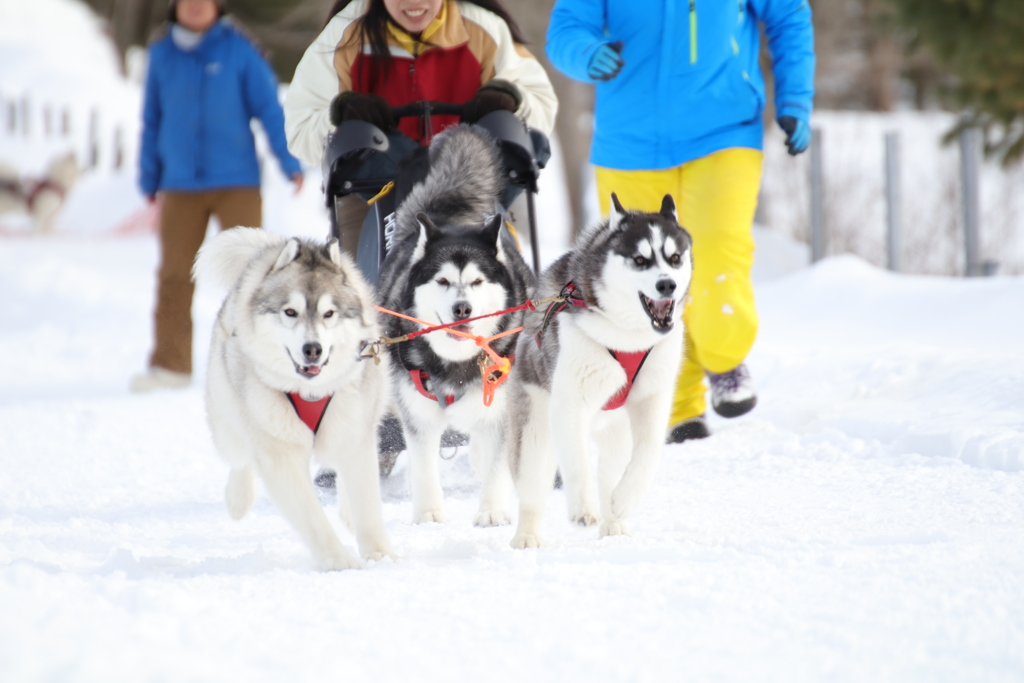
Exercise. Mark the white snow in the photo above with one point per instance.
(864, 523)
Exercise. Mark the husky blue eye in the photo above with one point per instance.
(290, 312)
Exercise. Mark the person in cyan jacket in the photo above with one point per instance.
(206, 82)
(680, 99)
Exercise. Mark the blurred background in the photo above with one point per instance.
(919, 71)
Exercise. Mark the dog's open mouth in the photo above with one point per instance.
(464, 327)
(660, 312)
(307, 370)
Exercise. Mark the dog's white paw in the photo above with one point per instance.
(616, 527)
(584, 518)
(625, 500)
(427, 516)
(521, 541)
(492, 518)
(339, 562)
(378, 555)
(240, 492)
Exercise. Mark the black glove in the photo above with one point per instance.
(494, 95)
(349, 106)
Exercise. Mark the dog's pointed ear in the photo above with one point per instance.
(616, 214)
(492, 228)
(427, 230)
(492, 235)
(288, 254)
(427, 226)
(334, 253)
(668, 208)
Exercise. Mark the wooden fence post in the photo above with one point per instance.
(892, 198)
(818, 241)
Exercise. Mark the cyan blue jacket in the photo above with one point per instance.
(691, 84)
(198, 105)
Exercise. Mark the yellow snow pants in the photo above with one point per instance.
(716, 197)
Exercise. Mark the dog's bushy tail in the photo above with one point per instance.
(463, 183)
(222, 260)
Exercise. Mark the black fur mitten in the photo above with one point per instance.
(494, 95)
(348, 106)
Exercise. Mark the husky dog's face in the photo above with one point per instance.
(308, 317)
(649, 268)
(459, 274)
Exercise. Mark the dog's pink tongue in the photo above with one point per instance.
(662, 308)
(312, 370)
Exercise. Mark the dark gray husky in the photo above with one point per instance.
(452, 261)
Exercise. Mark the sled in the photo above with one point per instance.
(360, 159)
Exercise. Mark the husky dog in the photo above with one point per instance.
(603, 365)
(40, 199)
(285, 379)
(452, 261)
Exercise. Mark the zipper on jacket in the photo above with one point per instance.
(693, 31)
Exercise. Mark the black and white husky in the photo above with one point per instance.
(452, 261)
(601, 365)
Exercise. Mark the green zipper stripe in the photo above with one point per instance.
(693, 31)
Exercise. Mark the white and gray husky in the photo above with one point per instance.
(285, 379)
(41, 199)
(601, 365)
(452, 261)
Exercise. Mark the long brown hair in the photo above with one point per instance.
(374, 31)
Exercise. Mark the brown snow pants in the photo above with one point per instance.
(184, 217)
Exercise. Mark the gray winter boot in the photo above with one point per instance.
(732, 393)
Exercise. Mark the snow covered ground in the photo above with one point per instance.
(864, 523)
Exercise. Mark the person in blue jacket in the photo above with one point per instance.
(680, 100)
(206, 82)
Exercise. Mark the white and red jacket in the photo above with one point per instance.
(465, 50)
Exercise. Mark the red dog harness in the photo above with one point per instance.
(631, 361)
(310, 412)
(419, 377)
(39, 187)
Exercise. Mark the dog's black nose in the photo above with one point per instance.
(311, 351)
(666, 287)
(462, 310)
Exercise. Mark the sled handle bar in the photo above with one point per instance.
(426, 107)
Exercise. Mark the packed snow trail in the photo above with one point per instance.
(863, 523)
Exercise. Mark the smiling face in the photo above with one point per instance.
(413, 15)
(196, 15)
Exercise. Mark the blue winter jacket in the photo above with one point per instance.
(198, 106)
(691, 84)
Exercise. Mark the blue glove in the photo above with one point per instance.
(798, 134)
(606, 63)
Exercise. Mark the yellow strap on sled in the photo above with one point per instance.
(515, 235)
(383, 192)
